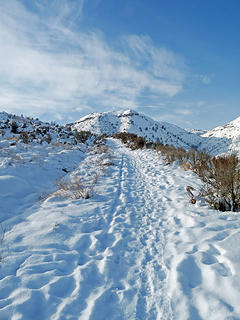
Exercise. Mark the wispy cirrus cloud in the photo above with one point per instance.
(49, 68)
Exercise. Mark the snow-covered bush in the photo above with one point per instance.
(74, 189)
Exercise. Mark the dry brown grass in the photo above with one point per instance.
(74, 189)
(221, 178)
(132, 141)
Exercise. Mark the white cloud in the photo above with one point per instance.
(184, 112)
(206, 79)
(200, 103)
(47, 67)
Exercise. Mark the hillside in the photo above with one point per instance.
(134, 122)
(223, 139)
(36, 130)
(220, 140)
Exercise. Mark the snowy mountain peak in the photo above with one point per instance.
(128, 113)
(224, 138)
(231, 129)
(133, 122)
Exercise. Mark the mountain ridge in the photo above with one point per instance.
(226, 138)
(220, 140)
(133, 122)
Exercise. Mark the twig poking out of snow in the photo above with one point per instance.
(191, 195)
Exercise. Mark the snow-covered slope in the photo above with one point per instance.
(137, 249)
(220, 140)
(38, 131)
(223, 139)
(133, 122)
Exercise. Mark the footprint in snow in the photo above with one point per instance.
(215, 228)
(220, 236)
(223, 270)
(108, 306)
(189, 274)
(208, 258)
(177, 221)
(83, 243)
(35, 282)
(62, 287)
(193, 250)
(105, 240)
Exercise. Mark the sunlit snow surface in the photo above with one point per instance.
(136, 250)
(139, 124)
(221, 140)
(224, 139)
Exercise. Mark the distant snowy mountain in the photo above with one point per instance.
(199, 132)
(134, 122)
(223, 139)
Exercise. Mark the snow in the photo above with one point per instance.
(223, 139)
(131, 121)
(220, 140)
(136, 249)
(37, 130)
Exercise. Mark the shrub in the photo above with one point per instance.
(181, 154)
(149, 145)
(14, 127)
(77, 189)
(185, 165)
(82, 136)
(131, 140)
(24, 137)
(137, 143)
(47, 138)
(192, 156)
(74, 189)
(221, 177)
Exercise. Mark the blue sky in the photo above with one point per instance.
(176, 61)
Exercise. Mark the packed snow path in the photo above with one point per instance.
(136, 250)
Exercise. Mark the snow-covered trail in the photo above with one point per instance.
(136, 250)
(133, 264)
